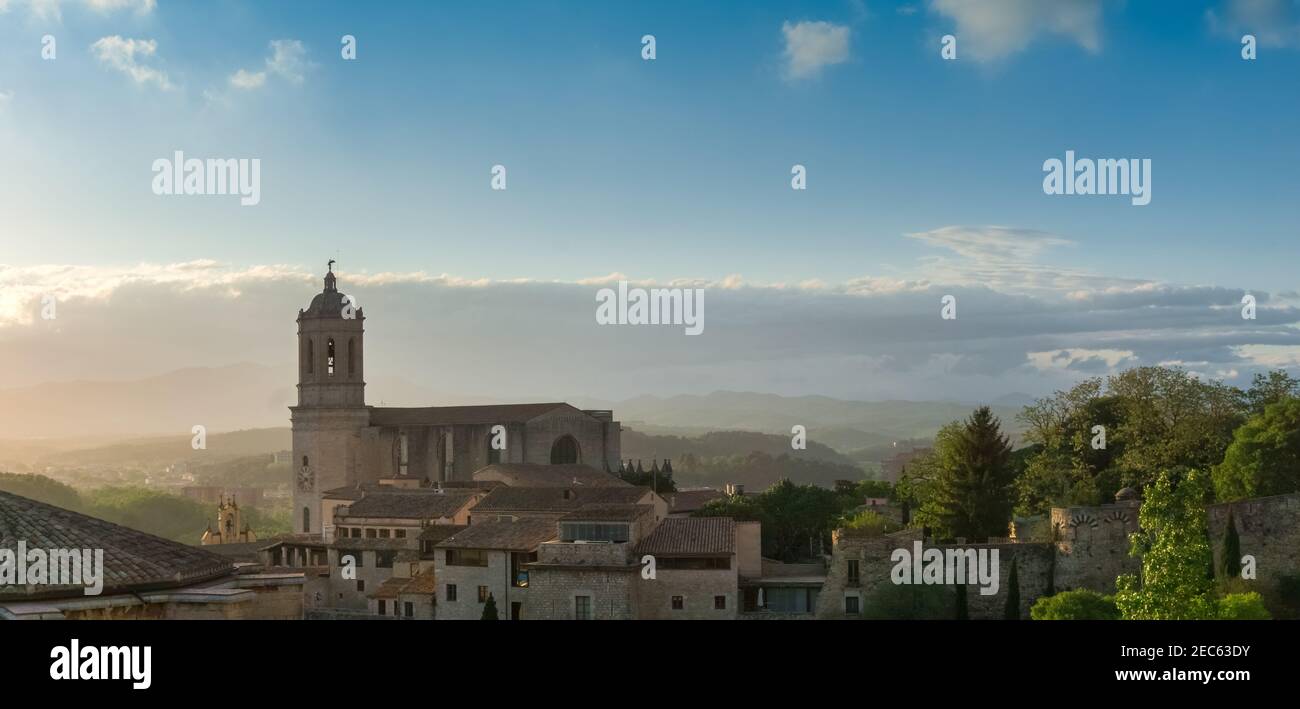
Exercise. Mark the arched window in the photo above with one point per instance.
(352, 355)
(304, 461)
(306, 520)
(403, 453)
(329, 356)
(311, 356)
(565, 451)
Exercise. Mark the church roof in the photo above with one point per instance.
(539, 475)
(133, 560)
(450, 415)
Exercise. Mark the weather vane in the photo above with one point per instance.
(330, 266)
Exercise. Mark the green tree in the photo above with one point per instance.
(1175, 553)
(1271, 388)
(1081, 604)
(1170, 420)
(797, 519)
(1012, 611)
(490, 608)
(973, 494)
(869, 523)
(1264, 458)
(41, 489)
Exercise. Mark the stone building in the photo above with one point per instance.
(339, 441)
(382, 536)
(1087, 547)
(1092, 545)
(488, 558)
(597, 570)
(698, 565)
(143, 576)
(1268, 529)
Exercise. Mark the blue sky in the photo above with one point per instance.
(677, 168)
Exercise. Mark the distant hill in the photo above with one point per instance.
(229, 398)
(647, 448)
(843, 424)
(53, 418)
(151, 450)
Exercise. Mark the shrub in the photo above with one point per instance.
(1243, 606)
(1075, 605)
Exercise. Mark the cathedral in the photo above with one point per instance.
(339, 441)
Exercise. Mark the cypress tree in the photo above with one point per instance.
(490, 608)
(1013, 593)
(1230, 562)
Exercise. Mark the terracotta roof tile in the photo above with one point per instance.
(519, 535)
(691, 535)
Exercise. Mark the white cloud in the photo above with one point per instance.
(52, 10)
(288, 61)
(1275, 23)
(1009, 259)
(244, 79)
(129, 56)
(866, 338)
(812, 46)
(989, 30)
(140, 6)
(1092, 361)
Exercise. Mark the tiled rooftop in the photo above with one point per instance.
(133, 560)
(691, 536)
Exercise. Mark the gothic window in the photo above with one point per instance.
(306, 520)
(311, 357)
(352, 355)
(564, 451)
(304, 461)
(329, 357)
(403, 453)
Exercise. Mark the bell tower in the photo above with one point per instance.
(330, 359)
(331, 408)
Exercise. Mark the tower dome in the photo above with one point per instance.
(330, 353)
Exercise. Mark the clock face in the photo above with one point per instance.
(306, 479)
